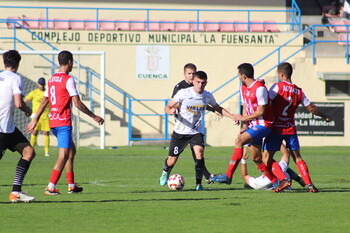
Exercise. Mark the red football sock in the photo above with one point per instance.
(55, 176)
(277, 171)
(304, 171)
(235, 159)
(70, 177)
(266, 172)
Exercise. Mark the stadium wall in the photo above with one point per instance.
(216, 53)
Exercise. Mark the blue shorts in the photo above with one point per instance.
(273, 141)
(258, 132)
(64, 136)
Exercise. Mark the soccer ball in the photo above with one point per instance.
(176, 182)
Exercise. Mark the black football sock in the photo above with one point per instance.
(199, 170)
(21, 170)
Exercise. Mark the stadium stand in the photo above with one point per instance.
(211, 26)
(193, 26)
(76, 24)
(182, 26)
(166, 25)
(107, 24)
(342, 39)
(30, 22)
(46, 24)
(137, 25)
(241, 26)
(226, 26)
(90, 24)
(11, 20)
(256, 26)
(122, 25)
(153, 26)
(336, 26)
(60, 23)
(270, 26)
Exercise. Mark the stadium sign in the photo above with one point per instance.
(165, 38)
(309, 124)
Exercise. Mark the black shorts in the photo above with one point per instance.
(179, 142)
(15, 141)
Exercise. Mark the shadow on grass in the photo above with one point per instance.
(120, 200)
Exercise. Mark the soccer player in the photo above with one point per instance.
(258, 119)
(262, 182)
(189, 71)
(60, 93)
(188, 127)
(36, 97)
(286, 98)
(10, 137)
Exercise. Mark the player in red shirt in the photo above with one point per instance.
(60, 93)
(258, 120)
(286, 98)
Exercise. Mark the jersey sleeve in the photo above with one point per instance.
(212, 100)
(176, 89)
(70, 85)
(179, 96)
(17, 86)
(273, 91)
(305, 101)
(262, 96)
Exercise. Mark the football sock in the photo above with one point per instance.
(167, 168)
(46, 143)
(277, 171)
(21, 170)
(199, 170)
(266, 172)
(304, 171)
(70, 179)
(234, 161)
(55, 176)
(293, 175)
(33, 140)
(206, 173)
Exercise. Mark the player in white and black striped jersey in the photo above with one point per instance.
(191, 105)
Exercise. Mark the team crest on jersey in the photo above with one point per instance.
(248, 93)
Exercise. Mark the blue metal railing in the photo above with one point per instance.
(198, 17)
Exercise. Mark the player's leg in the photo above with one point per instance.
(46, 130)
(64, 138)
(255, 151)
(46, 142)
(69, 168)
(178, 143)
(197, 143)
(294, 146)
(284, 162)
(20, 144)
(206, 173)
(34, 138)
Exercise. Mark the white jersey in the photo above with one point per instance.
(191, 110)
(10, 85)
(262, 182)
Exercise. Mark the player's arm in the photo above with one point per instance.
(82, 107)
(315, 110)
(171, 107)
(223, 112)
(30, 127)
(20, 104)
(244, 168)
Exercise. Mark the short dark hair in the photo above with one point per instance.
(286, 68)
(11, 58)
(190, 66)
(201, 75)
(247, 69)
(64, 57)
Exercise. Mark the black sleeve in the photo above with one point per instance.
(176, 89)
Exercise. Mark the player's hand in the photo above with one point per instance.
(262, 80)
(238, 117)
(30, 127)
(172, 111)
(99, 120)
(327, 119)
(245, 153)
(29, 113)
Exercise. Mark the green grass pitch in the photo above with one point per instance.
(122, 194)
